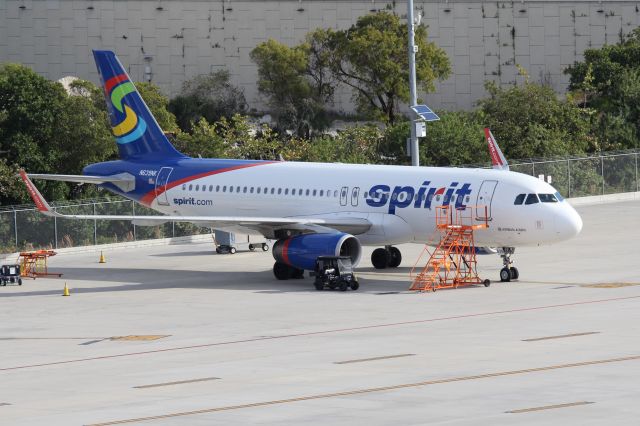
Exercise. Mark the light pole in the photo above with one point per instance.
(415, 158)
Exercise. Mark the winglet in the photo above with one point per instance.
(37, 198)
(497, 158)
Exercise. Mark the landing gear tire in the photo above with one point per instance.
(505, 275)
(355, 285)
(380, 258)
(396, 257)
(265, 247)
(282, 271)
(514, 273)
(252, 247)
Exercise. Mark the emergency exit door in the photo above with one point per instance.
(485, 196)
(161, 185)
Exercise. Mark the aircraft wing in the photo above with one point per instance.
(497, 157)
(266, 225)
(124, 181)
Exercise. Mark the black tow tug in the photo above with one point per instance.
(335, 272)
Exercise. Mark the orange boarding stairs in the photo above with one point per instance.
(453, 263)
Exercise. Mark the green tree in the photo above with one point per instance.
(295, 98)
(210, 96)
(43, 129)
(158, 104)
(371, 58)
(530, 121)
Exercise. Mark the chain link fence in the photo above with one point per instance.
(24, 228)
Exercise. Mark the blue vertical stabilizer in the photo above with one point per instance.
(137, 132)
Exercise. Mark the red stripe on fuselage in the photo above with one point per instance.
(148, 198)
(108, 85)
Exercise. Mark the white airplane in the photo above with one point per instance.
(312, 209)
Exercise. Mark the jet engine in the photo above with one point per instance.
(301, 251)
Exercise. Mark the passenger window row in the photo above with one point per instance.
(261, 190)
(537, 198)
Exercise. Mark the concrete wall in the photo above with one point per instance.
(180, 39)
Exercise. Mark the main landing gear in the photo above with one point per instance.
(282, 271)
(387, 257)
(508, 272)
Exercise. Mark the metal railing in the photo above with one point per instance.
(23, 227)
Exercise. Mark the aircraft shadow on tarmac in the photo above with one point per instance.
(91, 280)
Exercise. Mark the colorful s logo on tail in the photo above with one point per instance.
(138, 134)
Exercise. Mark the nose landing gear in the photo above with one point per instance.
(387, 257)
(508, 272)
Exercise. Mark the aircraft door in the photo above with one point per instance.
(161, 185)
(485, 196)
(344, 194)
(355, 193)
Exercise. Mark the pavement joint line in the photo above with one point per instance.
(315, 333)
(180, 382)
(368, 390)
(377, 358)
(561, 336)
(549, 407)
(2, 404)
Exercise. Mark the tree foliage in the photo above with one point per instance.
(158, 104)
(45, 130)
(210, 96)
(530, 121)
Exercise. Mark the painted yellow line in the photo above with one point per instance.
(137, 338)
(561, 336)
(549, 407)
(369, 390)
(373, 359)
(181, 382)
(609, 285)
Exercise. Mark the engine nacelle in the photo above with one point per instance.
(301, 251)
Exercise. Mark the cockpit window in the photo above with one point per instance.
(559, 197)
(548, 198)
(519, 199)
(531, 199)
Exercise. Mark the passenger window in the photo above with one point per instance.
(322, 192)
(286, 191)
(190, 187)
(244, 190)
(532, 199)
(224, 188)
(231, 189)
(237, 189)
(314, 192)
(251, 190)
(335, 194)
(548, 198)
(217, 188)
(258, 190)
(210, 188)
(197, 187)
(519, 199)
(273, 190)
(184, 186)
(307, 192)
(279, 191)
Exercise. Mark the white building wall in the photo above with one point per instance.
(180, 39)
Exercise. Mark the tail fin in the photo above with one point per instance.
(138, 134)
(497, 158)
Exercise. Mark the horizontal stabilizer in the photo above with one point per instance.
(124, 181)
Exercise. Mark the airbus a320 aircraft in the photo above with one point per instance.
(312, 209)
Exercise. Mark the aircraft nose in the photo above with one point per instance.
(568, 223)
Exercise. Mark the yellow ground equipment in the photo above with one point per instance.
(33, 264)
